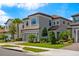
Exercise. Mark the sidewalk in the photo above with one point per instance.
(50, 52)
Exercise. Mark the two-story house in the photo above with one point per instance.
(36, 22)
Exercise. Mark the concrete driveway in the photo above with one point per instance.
(60, 52)
(74, 47)
(72, 50)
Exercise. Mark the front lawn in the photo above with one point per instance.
(2, 41)
(34, 49)
(45, 45)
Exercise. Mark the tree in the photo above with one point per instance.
(44, 32)
(3, 37)
(1, 27)
(65, 35)
(12, 30)
(32, 37)
(51, 36)
(17, 21)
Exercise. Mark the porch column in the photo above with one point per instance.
(76, 36)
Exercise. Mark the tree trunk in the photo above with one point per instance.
(17, 30)
(12, 36)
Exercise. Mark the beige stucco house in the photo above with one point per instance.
(36, 22)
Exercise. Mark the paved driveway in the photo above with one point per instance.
(5, 52)
(74, 47)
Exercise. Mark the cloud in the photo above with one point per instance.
(28, 6)
(70, 18)
(31, 6)
(3, 17)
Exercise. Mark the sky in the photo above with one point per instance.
(22, 10)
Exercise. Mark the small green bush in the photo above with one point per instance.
(32, 38)
(44, 40)
(51, 36)
(14, 40)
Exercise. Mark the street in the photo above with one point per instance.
(6, 52)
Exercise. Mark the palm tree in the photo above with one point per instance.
(17, 21)
(12, 30)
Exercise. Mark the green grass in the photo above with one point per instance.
(9, 46)
(2, 41)
(46, 45)
(34, 49)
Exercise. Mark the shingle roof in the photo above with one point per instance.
(53, 27)
(55, 17)
(40, 14)
(2, 31)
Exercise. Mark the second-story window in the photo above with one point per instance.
(63, 22)
(54, 23)
(27, 23)
(68, 23)
(49, 22)
(33, 21)
(57, 22)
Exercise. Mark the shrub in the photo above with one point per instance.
(65, 35)
(32, 38)
(3, 37)
(43, 40)
(51, 37)
(44, 32)
(61, 41)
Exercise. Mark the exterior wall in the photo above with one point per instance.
(44, 22)
(62, 27)
(26, 33)
(75, 34)
(30, 28)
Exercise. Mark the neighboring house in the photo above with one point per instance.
(36, 22)
(2, 31)
(7, 26)
(75, 28)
